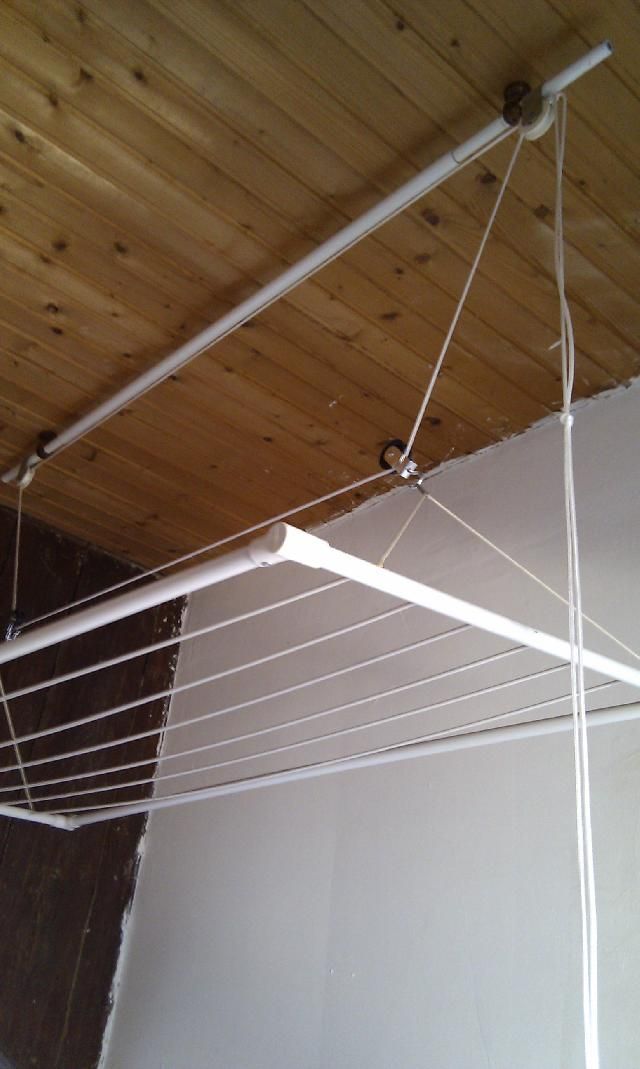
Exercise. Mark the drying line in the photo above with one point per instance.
(463, 297)
(338, 733)
(16, 748)
(162, 644)
(150, 572)
(270, 696)
(213, 677)
(464, 735)
(264, 697)
(521, 567)
(292, 688)
(620, 714)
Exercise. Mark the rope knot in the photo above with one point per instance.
(566, 419)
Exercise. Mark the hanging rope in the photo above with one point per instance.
(403, 530)
(13, 624)
(335, 493)
(531, 575)
(463, 297)
(11, 632)
(16, 555)
(581, 751)
(16, 748)
(151, 572)
(447, 341)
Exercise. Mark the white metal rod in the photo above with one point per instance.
(55, 820)
(174, 586)
(404, 751)
(575, 70)
(288, 543)
(309, 265)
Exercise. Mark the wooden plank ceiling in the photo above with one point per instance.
(161, 159)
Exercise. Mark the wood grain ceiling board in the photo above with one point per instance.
(161, 160)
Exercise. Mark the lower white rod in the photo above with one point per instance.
(283, 542)
(309, 265)
(404, 751)
(52, 819)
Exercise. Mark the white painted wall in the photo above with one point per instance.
(425, 914)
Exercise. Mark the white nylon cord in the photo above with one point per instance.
(463, 297)
(529, 574)
(169, 692)
(338, 733)
(589, 919)
(270, 696)
(11, 632)
(207, 629)
(449, 732)
(16, 748)
(309, 504)
(16, 555)
(453, 732)
(403, 530)
(211, 547)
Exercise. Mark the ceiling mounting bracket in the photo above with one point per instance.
(394, 457)
(531, 109)
(514, 94)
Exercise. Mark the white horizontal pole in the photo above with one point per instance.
(174, 586)
(402, 752)
(305, 268)
(299, 272)
(576, 70)
(288, 543)
(54, 820)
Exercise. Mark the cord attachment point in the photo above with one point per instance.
(394, 457)
(25, 474)
(538, 114)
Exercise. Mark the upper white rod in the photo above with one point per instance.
(309, 265)
(289, 543)
(145, 597)
(575, 70)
